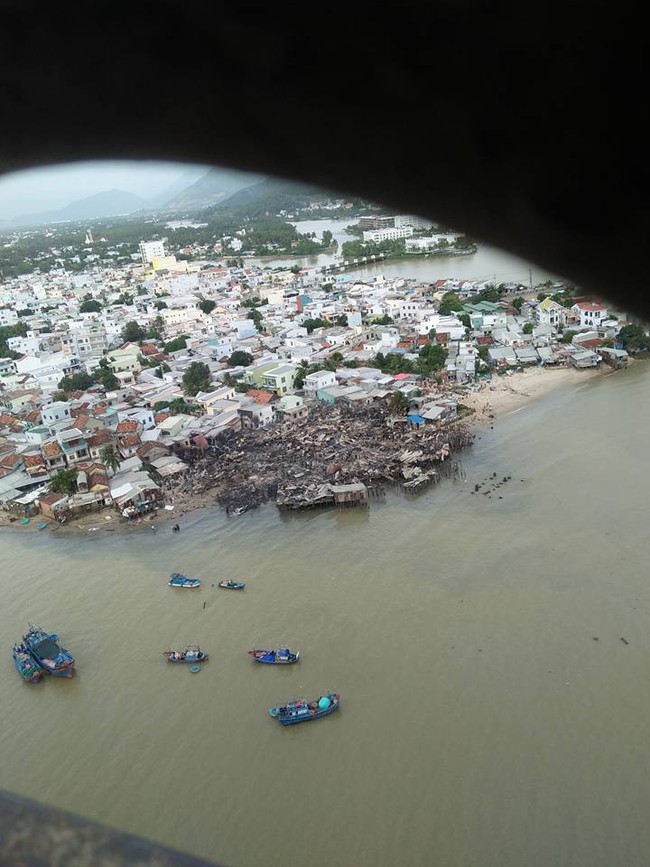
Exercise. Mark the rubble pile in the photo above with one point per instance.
(297, 465)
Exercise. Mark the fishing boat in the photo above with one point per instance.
(299, 710)
(192, 653)
(48, 653)
(26, 665)
(178, 580)
(232, 585)
(281, 656)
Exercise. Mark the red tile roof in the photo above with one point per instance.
(51, 499)
(590, 305)
(33, 460)
(130, 440)
(260, 396)
(161, 416)
(101, 438)
(10, 461)
(51, 450)
(127, 426)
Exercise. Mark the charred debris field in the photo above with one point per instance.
(339, 455)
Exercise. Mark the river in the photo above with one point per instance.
(488, 263)
(491, 714)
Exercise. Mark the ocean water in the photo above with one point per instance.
(491, 714)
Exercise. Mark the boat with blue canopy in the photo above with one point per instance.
(178, 580)
(299, 710)
(26, 665)
(48, 653)
(281, 656)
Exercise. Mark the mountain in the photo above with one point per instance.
(273, 195)
(188, 177)
(213, 187)
(112, 203)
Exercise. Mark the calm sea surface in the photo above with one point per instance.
(481, 723)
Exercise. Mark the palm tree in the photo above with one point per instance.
(110, 457)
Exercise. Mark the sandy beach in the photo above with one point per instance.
(503, 394)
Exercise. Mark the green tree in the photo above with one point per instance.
(517, 303)
(239, 358)
(450, 303)
(208, 305)
(196, 378)
(311, 324)
(632, 337)
(177, 343)
(133, 332)
(568, 336)
(528, 327)
(431, 357)
(64, 481)
(90, 306)
(105, 376)
(76, 382)
(160, 305)
(399, 403)
(110, 457)
(342, 320)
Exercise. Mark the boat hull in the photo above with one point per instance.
(235, 586)
(302, 711)
(270, 657)
(27, 667)
(48, 654)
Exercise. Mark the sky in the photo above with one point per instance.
(47, 188)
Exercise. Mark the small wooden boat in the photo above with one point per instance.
(48, 653)
(299, 710)
(281, 656)
(192, 653)
(178, 580)
(26, 665)
(232, 585)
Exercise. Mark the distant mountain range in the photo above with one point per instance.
(187, 194)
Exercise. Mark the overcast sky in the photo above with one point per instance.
(43, 189)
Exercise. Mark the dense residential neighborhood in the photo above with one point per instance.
(110, 375)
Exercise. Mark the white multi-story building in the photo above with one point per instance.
(389, 234)
(410, 220)
(8, 316)
(150, 250)
(591, 313)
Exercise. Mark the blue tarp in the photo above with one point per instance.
(416, 419)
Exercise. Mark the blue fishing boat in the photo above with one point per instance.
(232, 585)
(48, 653)
(281, 656)
(178, 580)
(192, 653)
(26, 665)
(299, 710)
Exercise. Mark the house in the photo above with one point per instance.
(549, 312)
(320, 379)
(591, 313)
(584, 358)
(73, 444)
(290, 409)
(97, 442)
(54, 506)
(53, 456)
(35, 464)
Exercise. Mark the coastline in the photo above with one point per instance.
(504, 394)
(495, 398)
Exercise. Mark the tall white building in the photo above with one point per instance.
(150, 250)
(387, 234)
